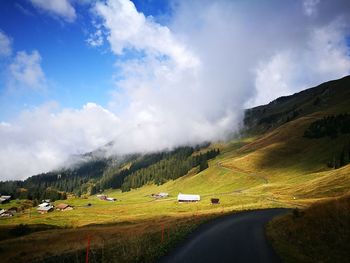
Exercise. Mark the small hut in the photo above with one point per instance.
(4, 213)
(5, 199)
(160, 195)
(215, 201)
(64, 207)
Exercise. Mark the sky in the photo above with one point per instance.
(150, 75)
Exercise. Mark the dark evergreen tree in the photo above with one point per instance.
(203, 164)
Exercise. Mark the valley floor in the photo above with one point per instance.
(141, 227)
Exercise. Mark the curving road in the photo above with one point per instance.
(234, 238)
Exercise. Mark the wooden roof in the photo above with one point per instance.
(62, 206)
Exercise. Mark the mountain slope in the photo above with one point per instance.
(330, 97)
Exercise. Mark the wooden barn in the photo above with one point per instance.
(64, 207)
(185, 198)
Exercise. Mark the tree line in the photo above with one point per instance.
(55, 185)
(93, 176)
(171, 167)
(330, 126)
(340, 159)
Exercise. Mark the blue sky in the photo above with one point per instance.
(150, 75)
(68, 62)
(76, 72)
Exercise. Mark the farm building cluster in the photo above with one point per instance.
(46, 207)
(6, 212)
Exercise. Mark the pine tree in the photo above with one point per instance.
(203, 164)
(342, 158)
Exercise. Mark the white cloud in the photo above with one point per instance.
(324, 57)
(60, 8)
(95, 39)
(186, 81)
(130, 29)
(5, 45)
(25, 71)
(42, 139)
(310, 7)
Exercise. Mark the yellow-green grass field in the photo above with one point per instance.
(278, 169)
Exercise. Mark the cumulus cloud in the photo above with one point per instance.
(325, 56)
(131, 29)
(59, 8)
(25, 71)
(189, 80)
(5, 45)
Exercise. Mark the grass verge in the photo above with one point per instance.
(320, 233)
(143, 241)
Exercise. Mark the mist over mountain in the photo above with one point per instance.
(101, 169)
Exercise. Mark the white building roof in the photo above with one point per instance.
(188, 197)
(44, 204)
(45, 208)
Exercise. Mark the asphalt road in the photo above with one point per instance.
(234, 238)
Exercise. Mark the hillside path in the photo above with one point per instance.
(234, 238)
(236, 169)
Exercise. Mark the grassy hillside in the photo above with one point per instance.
(320, 233)
(329, 96)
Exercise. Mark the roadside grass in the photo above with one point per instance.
(142, 240)
(320, 233)
(137, 241)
